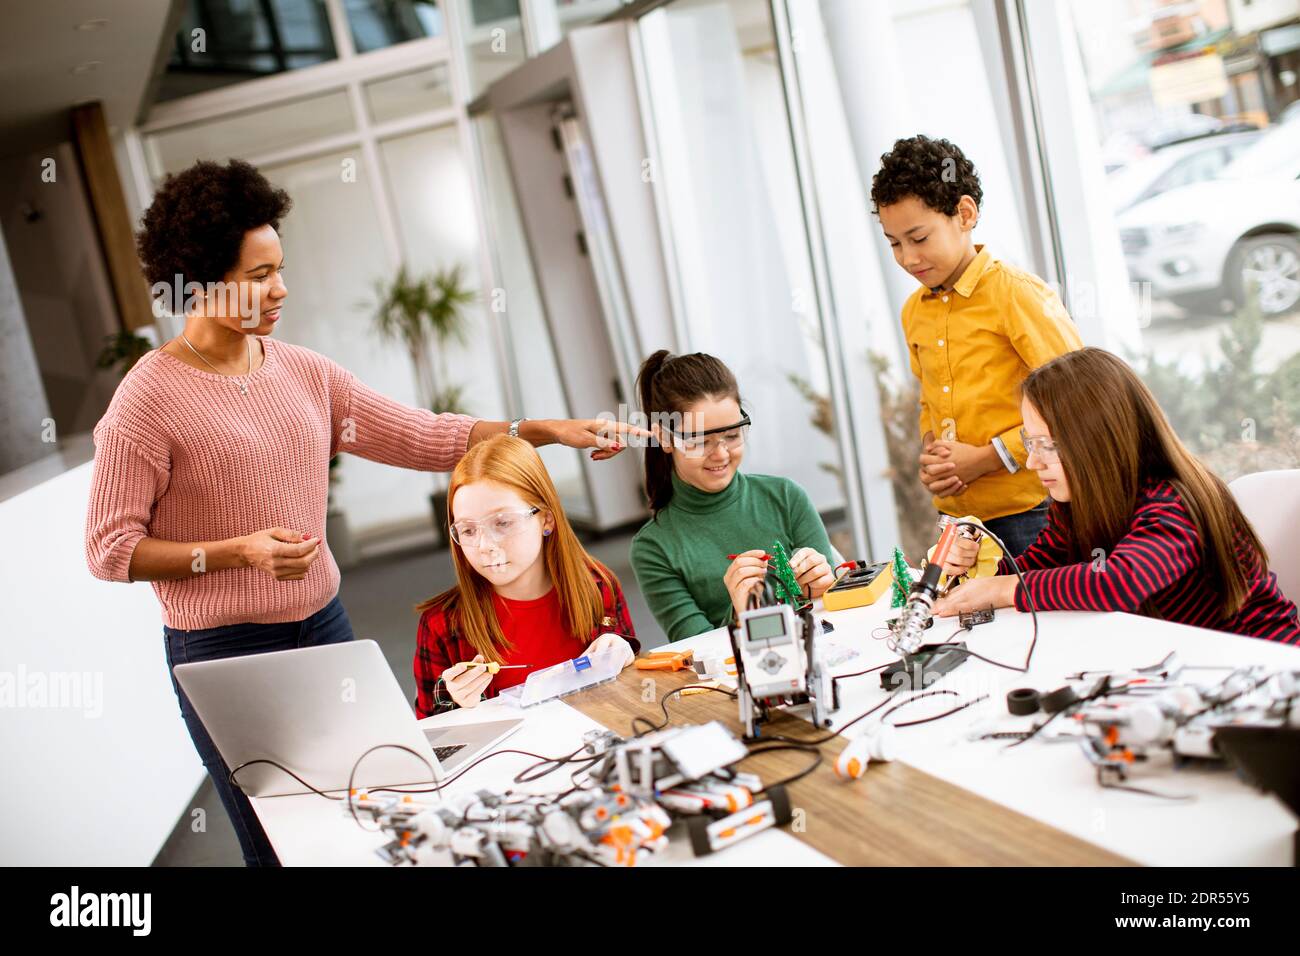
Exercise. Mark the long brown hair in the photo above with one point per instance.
(1112, 437)
(468, 606)
(667, 384)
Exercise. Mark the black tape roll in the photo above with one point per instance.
(1022, 701)
(1058, 700)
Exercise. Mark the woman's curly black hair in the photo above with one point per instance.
(933, 170)
(196, 223)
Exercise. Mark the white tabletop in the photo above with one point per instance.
(1226, 822)
(308, 830)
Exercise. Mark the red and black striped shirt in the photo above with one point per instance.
(1157, 568)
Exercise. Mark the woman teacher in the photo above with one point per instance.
(212, 460)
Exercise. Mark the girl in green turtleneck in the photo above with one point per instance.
(705, 509)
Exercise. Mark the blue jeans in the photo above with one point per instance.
(329, 625)
(1019, 531)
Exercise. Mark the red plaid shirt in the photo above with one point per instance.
(439, 646)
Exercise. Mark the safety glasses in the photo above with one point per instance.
(495, 527)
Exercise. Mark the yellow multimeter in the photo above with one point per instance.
(860, 585)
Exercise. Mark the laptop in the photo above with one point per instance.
(316, 710)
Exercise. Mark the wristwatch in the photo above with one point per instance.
(514, 427)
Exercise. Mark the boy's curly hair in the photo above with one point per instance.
(196, 223)
(933, 170)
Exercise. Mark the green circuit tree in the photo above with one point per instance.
(787, 585)
(902, 580)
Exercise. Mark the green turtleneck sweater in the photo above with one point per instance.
(680, 556)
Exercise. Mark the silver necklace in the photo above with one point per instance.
(243, 386)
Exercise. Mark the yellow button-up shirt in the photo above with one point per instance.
(971, 348)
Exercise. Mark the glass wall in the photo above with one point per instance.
(735, 224)
(253, 132)
(334, 251)
(221, 42)
(855, 107)
(394, 97)
(1201, 192)
(373, 159)
(427, 174)
(377, 24)
(519, 306)
(576, 13)
(492, 40)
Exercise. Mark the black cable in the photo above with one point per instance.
(471, 766)
(663, 706)
(279, 766)
(1102, 782)
(527, 775)
(869, 670)
(1029, 599)
(1104, 691)
(785, 782)
(925, 720)
(352, 776)
(818, 741)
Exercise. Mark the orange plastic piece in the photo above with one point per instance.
(665, 661)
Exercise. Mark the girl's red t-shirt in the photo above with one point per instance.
(536, 631)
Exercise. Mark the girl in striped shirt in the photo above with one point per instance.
(1136, 524)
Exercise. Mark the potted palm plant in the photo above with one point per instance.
(419, 312)
(122, 350)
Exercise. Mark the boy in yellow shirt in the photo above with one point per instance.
(974, 330)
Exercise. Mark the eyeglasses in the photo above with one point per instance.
(731, 437)
(495, 527)
(1043, 447)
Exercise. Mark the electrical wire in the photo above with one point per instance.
(925, 720)
(1129, 788)
(352, 775)
(279, 766)
(663, 706)
(786, 781)
(1029, 599)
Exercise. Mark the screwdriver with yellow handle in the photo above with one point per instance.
(493, 667)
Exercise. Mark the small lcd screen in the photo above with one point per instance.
(766, 627)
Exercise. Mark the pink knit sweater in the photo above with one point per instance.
(181, 455)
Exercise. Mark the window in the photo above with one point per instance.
(493, 39)
(408, 93)
(220, 42)
(1212, 247)
(382, 23)
(369, 148)
(251, 134)
(734, 219)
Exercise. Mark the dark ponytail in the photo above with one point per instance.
(666, 385)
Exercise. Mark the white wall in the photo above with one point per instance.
(103, 778)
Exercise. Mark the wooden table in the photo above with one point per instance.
(893, 815)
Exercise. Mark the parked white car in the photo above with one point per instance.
(1169, 167)
(1202, 246)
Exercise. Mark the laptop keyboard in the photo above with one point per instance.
(442, 753)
